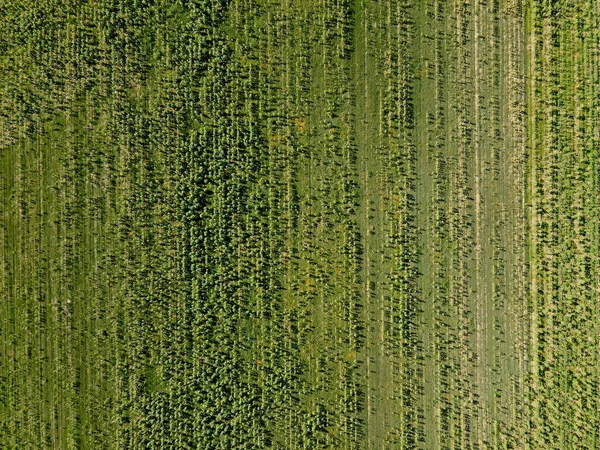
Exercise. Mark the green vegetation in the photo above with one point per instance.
(299, 224)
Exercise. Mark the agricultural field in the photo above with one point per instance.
(299, 224)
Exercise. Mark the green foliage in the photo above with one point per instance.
(298, 225)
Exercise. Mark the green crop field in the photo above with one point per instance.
(299, 224)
